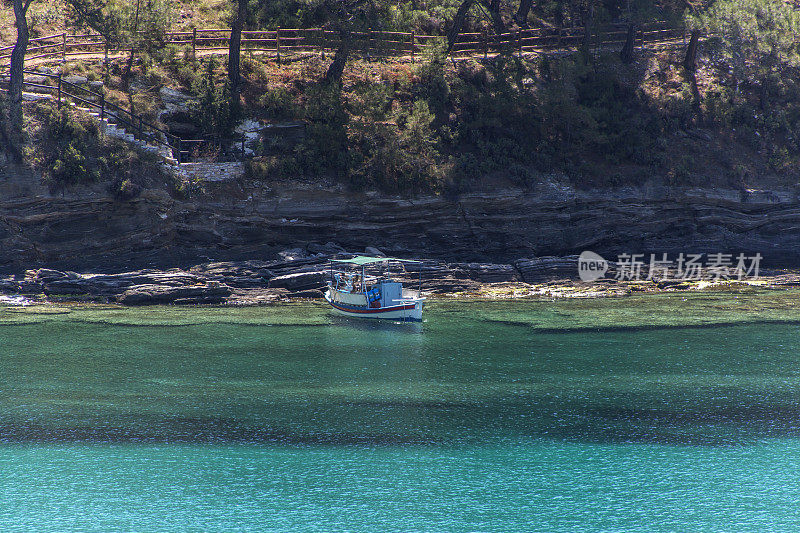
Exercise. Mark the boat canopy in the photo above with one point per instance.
(366, 260)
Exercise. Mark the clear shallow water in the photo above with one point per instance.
(519, 416)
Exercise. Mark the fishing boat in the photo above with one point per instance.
(356, 290)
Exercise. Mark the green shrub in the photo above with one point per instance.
(70, 139)
(69, 150)
(278, 103)
(212, 111)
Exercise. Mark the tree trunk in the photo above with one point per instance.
(234, 55)
(127, 73)
(698, 111)
(336, 68)
(494, 11)
(521, 17)
(689, 62)
(626, 54)
(587, 30)
(458, 23)
(13, 133)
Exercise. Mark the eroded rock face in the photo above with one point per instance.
(538, 269)
(485, 272)
(97, 233)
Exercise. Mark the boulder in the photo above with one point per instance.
(76, 80)
(173, 96)
(115, 284)
(210, 292)
(32, 78)
(239, 274)
(67, 286)
(293, 254)
(300, 281)
(46, 274)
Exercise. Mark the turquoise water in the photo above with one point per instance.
(501, 417)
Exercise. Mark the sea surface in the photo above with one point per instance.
(672, 412)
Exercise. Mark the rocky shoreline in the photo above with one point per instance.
(302, 274)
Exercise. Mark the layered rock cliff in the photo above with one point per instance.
(89, 230)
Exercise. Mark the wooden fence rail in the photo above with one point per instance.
(370, 43)
(64, 92)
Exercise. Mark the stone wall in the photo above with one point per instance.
(209, 171)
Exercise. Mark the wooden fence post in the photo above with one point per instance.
(102, 106)
(105, 58)
(194, 43)
(64, 46)
(278, 45)
(412, 46)
(369, 45)
(485, 39)
(59, 90)
(178, 155)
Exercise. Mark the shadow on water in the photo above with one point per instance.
(455, 380)
(197, 430)
(624, 329)
(437, 424)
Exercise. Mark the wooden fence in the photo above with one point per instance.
(65, 92)
(369, 43)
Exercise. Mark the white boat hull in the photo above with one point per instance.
(405, 310)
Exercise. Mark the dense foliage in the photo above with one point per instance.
(69, 150)
(446, 126)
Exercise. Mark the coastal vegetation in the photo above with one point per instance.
(67, 148)
(721, 110)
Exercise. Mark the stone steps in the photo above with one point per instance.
(111, 126)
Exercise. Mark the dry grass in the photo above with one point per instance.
(52, 16)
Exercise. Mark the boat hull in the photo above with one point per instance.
(405, 311)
